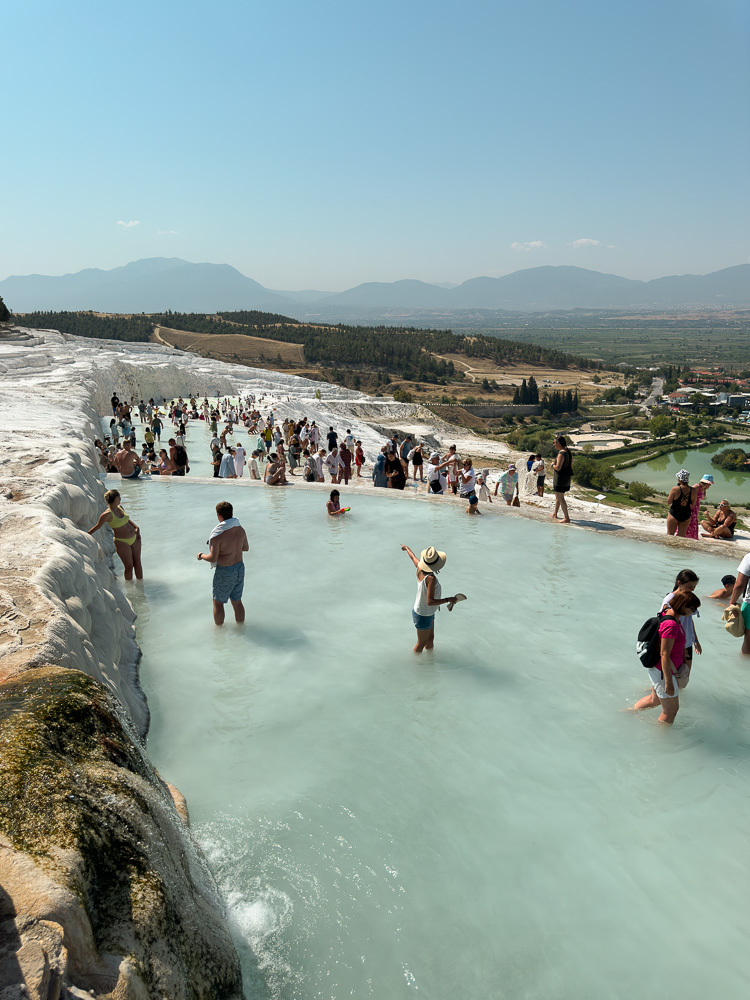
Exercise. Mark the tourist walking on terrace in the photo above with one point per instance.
(126, 533)
(507, 483)
(701, 489)
(436, 481)
(394, 471)
(670, 673)
(539, 471)
(681, 500)
(226, 544)
(563, 470)
(417, 460)
(333, 463)
(379, 477)
(345, 463)
(428, 599)
(239, 459)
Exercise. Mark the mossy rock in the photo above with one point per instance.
(79, 795)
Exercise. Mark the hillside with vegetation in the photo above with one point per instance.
(405, 352)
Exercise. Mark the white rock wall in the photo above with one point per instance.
(59, 600)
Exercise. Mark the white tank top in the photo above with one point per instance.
(421, 607)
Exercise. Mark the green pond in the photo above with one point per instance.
(661, 472)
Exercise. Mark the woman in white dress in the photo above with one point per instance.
(239, 459)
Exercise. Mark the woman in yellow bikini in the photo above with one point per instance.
(127, 535)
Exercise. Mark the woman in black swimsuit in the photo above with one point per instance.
(681, 500)
(563, 469)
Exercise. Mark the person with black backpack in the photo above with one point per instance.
(661, 648)
(179, 457)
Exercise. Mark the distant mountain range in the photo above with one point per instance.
(161, 283)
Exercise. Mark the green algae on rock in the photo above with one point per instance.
(79, 797)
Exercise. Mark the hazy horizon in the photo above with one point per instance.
(319, 147)
(337, 290)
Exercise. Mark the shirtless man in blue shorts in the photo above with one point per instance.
(226, 544)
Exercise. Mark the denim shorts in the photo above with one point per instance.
(228, 582)
(422, 622)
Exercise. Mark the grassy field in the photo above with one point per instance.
(240, 349)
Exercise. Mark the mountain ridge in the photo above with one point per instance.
(156, 284)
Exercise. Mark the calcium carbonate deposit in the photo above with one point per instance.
(103, 890)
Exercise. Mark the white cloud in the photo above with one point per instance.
(127, 225)
(585, 243)
(529, 245)
(611, 246)
(166, 232)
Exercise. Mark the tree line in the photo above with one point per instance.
(88, 324)
(412, 353)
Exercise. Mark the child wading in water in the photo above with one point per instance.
(333, 506)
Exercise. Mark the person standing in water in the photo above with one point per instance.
(670, 673)
(126, 533)
(226, 544)
(428, 599)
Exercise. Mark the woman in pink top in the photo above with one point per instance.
(666, 676)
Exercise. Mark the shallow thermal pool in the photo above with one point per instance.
(479, 823)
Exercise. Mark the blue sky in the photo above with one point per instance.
(318, 145)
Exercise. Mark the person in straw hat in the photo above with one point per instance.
(428, 599)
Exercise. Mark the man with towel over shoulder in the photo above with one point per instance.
(226, 544)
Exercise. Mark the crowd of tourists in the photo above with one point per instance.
(298, 447)
(667, 642)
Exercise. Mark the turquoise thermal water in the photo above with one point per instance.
(479, 822)
(661, 472)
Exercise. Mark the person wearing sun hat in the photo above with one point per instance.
(701, 488)
(681, 501)
(428, 599)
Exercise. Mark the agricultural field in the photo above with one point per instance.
(696, 341)
(510, 375)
